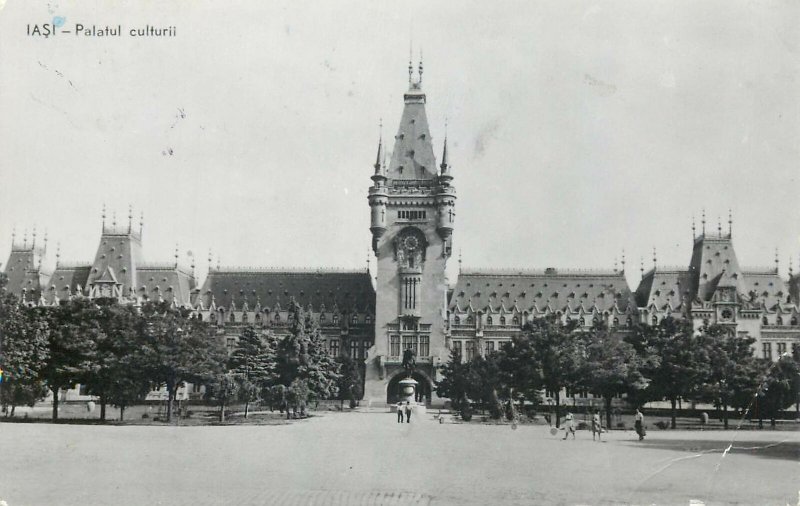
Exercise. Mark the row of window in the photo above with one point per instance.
(470, 320)
(420, 345)
(766, 349)
(358, 349)
(412, 215)
(779, 321)
(258, 319)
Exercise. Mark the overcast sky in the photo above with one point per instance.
(576, 129)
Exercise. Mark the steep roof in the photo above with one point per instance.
(765, 286)
(167, 282)
(714, 262)
(347, 290)
(666, 287)
(412, 157)
(120, 250)
(556, 288)
(66, 281)
(24, 271)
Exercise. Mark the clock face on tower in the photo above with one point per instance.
(410, 248)
(410, 243)
(727, 314)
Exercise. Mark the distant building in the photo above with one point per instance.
(412, 304)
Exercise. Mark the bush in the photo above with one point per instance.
(661, 424)
(582, 426)
(466, 413)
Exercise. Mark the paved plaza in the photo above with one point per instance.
(367, 458)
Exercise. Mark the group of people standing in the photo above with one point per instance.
(404, 409)
(597, 427)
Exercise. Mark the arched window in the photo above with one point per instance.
(322, 318)
(629, 322)
(615, 322)
(457, 320)
(764, 321)
(581, 322)
(654, 320)
(354, 319)
(470, 320)
(515, 320)
(245, 318)
(213, 316)
(200, 316)
(258, 318)
(503, 321)
(794, 321)
(779, 321)
(277, 317)
(232, 318)
(368, 319)
(488, 320)
(336, 319)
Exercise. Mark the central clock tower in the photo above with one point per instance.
(412, 216)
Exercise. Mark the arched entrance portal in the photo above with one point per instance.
(424, 386)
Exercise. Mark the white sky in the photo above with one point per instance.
(576, 129)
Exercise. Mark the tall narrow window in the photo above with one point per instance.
(424, 346)
(457, 348)
(353, 349)
(470, 349)
(394, 346)
(781, 349)
(489, 347)
(334, 345)
(766, 350)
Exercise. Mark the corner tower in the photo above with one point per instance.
(412, 216)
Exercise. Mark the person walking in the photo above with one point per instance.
(408, 411)
(638, 423)
(569, 426)
(399, 412)
(596, 427)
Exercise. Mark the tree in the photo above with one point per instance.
(734, 373)
(557, 353)
(611, 367)
(72, 331)
(253, 364)
(302, 356)
(23, 352)
(116, 375)
(455, 382)
(780, 388)
(223, 389)
(178, 349)
(682, 363)
(349, 384)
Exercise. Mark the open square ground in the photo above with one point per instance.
(367, 458)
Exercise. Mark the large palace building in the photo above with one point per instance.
(410, 304)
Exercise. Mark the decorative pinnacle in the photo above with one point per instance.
(654, 257)
(623, 259)
(141, 223)
(703, 229)
(58, 254)
(459, 260)
(130, 217)
(420, 66)
(641, 265)
(33, 244)
(13, 236)
(176, 254)
(104, 216)
(719, 226)
(693, 228)
(730, 223)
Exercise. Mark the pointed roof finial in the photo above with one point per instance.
(719, 226)
(176, 255)
(420, 66)
(641, 265)
(114, 221)
(25, 239)
(459, 260)
(730, 223)
(791, 267)
(777, 262)
(13, 236)
(654, 257)
(694, 235)
(218, 260)
(703, 222)
(141, 224)
(130, 217)
(104, 217)
(379, 158)
(367, 260)
(209, 259)
(45, 242)
(58, 254)
(410, 63)
(33, 244)
(623, 259)
(615, 264)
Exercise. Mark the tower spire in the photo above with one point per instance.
(379, 158)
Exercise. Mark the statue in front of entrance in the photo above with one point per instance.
(409, 361)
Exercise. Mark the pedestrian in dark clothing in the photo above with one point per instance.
(408, 411)
(399, 412)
